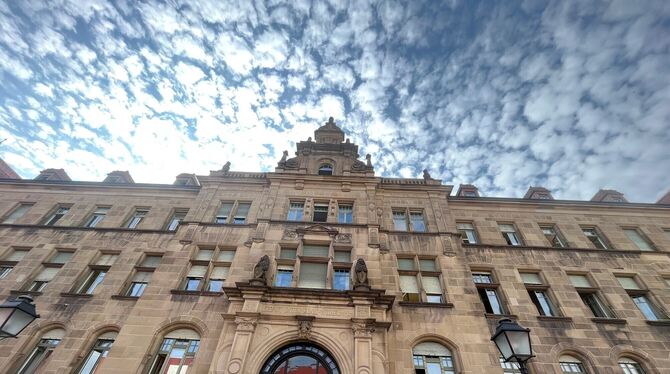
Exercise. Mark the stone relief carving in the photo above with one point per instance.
(361, 281)
(288, 163)
(304, 329)
(290, 235)
(261, 271)
(426, 174)
(362, 329)
(226, 167)
(343, 238)
(246, 323)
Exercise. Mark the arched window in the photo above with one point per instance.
(630, 366)
(42, 351)
(432, 358)
(326, 169)
(176, 353)
(300, 359)
(98, 352)
(571, 364)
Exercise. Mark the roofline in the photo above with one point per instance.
(7, 181)
(516, 200)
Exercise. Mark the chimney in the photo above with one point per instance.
(538, 193)
(119, 176)
(467, 190)
(609, 196)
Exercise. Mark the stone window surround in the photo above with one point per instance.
(308, 204)
(52, 213)
(495, 284)
(520, 238)
(211, 263)
(593, 289)
(232, 214)
(544, 287)
(474, 229)
(642, 290)
(128, 219)
(92, 212)
(332, 265)
(407, 211)
(173, 213)
(642, 234)
(601, 236)
(137, 268)
(14, 208)
(418, 273)
(89, 269)
(558, 232)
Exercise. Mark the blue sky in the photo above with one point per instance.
(570, 95)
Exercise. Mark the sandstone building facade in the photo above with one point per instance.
(323, 267)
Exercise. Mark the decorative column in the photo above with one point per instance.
(363, 328)
(246, 325)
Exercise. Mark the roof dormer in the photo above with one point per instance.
(467, 190)
(119, 176)
(538, 193)
(7, 172)
(665, 199)
(609, 196)
(329, 133)
(185, 179)
(53, 175)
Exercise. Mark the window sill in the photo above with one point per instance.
(72, 294)
(500, 316)
(124, 297)
(555, 318)
(29, 293)
(612, 321)
(195, 293)
(425, 305)
(661, 322)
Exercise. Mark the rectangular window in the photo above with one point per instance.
(399, 220)
(542, 302)
(406, 264)
(92, 281)
(139, 283)
(97, 216)
(284, 276)
(38, 355)
(216, 278)
(579, 281)
(177, 217)
(17, 213)
(409, 288)
(42, 279)
(226, 255)
(59, 213)
(175, 356)
(531, 278)
(341, 279)
(209, 270)
(195, 278)
(61, 257)
(595, 304)
(295, 211)
(345, 213)
(315, 250)
(641, 242)
(510, 234)
(312, 275)
(433, 289)
(287, 253)
(342, 256)
(594, 236)
(224, 212)
(241, 213)
(5, 270)
(427, 265)
(488, 292)
(417, 221)
(553, 236)
(204, 254)
(136, 218)
(16, 254)
(641, 298)
(320, 212)
(151, 261)
(468, 234)
(628, 283)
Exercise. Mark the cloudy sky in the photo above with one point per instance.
(570, 95)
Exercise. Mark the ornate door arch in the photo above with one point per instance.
(300, 358)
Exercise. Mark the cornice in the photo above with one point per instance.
(552, 203)
(101, 185)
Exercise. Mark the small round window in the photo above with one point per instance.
(326, 169)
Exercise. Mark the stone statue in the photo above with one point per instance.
(361, 282)
(309, 139)
(426, 174)
(368, 158)
(283, 158)
(261, 271)
(226, 167)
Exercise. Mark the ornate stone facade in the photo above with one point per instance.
(260, 261)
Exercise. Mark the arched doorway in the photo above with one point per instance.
(300, 358)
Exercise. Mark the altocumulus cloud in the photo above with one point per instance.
(571, 95)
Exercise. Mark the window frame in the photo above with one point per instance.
(642, 236)
(321, 204)
(602, 239)
(407, 213)
(48, 345)
(140, 266)
(174, 221)
(34, 285)
(658, 313)
(465, 239)
(101, 345)
(9, 265)
(293, 266)
(516, 234)
(53, 217)
(130, 222)
(325, 166)
(299, 214)
(94, 217)
(88, 282)
(558, 235)
(189, 352)
(552, 307)
(340, 204)
(593, 291)
(423, 296)
(15, 209)
(205, 282)
(483, 289)
(232, 217)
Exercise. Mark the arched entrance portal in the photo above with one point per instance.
(300, 358)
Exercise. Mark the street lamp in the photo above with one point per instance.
(513, 342)
(15, 315)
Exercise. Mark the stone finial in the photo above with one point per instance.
(309, 139)
(361, 281)
(331, 121)
(368, 160)
(347, 141)
(283, 158)
(226, 167)
(426, 174)
(261, 271)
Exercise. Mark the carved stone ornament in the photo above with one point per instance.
(246, 323)
(290, 235)
(426, 174)
(304, 329)
(359, 166)
(288, 163)
(361, 281)
(362, 329)
(226, 167)
(261, 271)
(343, 238)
